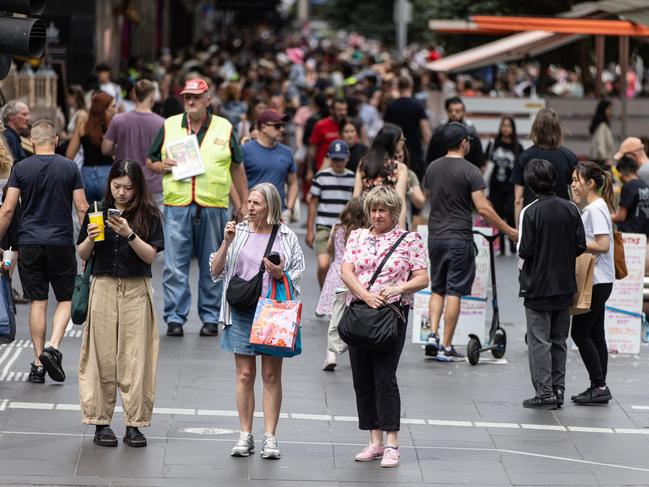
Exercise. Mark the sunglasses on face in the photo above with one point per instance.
(276, 125)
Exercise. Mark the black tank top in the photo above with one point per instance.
(92, 155)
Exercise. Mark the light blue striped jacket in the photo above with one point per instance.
(293, 264)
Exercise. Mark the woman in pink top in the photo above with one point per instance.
(405, 272)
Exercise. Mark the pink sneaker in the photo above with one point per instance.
(390, 457)
(370, 453)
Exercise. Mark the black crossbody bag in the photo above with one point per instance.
(242, 294)
(369, 328)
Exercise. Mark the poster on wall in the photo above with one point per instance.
(474, 307)
(624, 306)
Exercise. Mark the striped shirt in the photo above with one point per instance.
(334, 190)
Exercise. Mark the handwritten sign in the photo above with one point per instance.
(473, 308)
(623, 320)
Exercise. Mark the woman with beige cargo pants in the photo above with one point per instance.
(120, 340)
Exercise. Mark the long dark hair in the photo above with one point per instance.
(514, 134)
(143, 213)
(587, 170)
(600, 115)
(383, 147)
(353, 216)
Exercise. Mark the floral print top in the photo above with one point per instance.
(387, 177)
(366, 252)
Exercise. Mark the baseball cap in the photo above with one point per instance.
(271, 116)
(195, 86)
(454, 133)
(338, 149)
(630, 144)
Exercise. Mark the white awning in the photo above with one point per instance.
(510, 48)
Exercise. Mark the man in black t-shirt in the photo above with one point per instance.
(47, 184)
(454, 186)
(409, 114)
(437, 147)
(633, 215)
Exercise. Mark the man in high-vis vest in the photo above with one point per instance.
(195, 208)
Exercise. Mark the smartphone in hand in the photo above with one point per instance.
(114, 213)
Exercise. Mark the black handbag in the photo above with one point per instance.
(243, 294)
(372, 328)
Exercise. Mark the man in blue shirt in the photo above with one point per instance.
(266, 159)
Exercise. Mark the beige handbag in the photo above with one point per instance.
(584, 269)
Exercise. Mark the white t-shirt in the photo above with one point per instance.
(597, 221)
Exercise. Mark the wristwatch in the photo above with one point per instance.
(131, 236)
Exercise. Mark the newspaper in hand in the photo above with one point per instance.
(188, 158)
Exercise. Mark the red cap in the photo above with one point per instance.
(271, 116)
(195, 86)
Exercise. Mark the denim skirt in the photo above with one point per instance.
(236, 337)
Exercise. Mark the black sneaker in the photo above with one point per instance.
(175, 330)
(134, 437)
(593, 395)
(36, 374)
(541, 403)
(209, 330)
(51, 359)
(104, 436)
(449, 355)
(432, 345)
(559, 393)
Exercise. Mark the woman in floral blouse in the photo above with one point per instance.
(380, 167)
(405, 272)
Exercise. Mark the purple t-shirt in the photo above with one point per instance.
(133, 132)
(250, 257)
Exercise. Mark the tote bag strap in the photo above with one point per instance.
(288, 288)
(385, 260)
(271, 240)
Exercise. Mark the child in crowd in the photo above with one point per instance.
(331, 188)
(333, 295)
(551, 238)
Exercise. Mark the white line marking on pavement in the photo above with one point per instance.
(208, 431)
(483, 424)
(640, 408)
(403, 447)
(543, 427)
(10, 363)
(6, 404)
(587, 429)
(441, 422)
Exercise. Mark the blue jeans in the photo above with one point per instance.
(95, 181)
(187, 236)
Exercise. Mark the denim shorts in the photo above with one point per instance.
(236, 337)
(452, 266)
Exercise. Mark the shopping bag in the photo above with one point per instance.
(584, 269)
(276, 326)
(7, 310)
(618, 256)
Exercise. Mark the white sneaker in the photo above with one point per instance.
(244, 446)
(269, 448)
(330, 361)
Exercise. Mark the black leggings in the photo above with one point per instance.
(588, 334)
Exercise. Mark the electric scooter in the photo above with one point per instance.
(497, 341)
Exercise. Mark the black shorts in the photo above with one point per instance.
(452, 266)
(42, 265)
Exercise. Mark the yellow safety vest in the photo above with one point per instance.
(211, 189)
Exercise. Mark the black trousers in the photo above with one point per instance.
(375, 383)
(588, 334)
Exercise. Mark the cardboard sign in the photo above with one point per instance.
(624, 306)
(473, 308)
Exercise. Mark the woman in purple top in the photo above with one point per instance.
(240, 254)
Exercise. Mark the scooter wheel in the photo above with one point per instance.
(500, 341)
(473, 351)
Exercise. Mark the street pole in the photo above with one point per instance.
(303, 11)
(402, 17)
(624, 68)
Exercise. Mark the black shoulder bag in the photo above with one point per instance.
(243, 295)
(369, 328)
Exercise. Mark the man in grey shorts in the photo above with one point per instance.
(453, 186)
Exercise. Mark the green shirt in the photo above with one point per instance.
(155, 151)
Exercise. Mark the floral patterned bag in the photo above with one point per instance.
(276, 326)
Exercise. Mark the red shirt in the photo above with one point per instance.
(324, 133)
